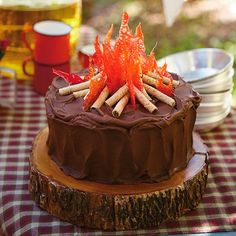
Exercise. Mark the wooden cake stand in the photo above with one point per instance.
(115, 207)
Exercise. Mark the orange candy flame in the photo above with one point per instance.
(124, 63)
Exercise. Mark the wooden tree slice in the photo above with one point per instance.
(115, 207)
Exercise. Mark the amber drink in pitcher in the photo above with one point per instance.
(19, 15)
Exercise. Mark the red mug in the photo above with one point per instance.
(51, 42)
(83, 55)
(43, 75)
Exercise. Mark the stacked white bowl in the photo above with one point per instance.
(210, 71)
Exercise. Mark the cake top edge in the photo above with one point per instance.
(69, 110)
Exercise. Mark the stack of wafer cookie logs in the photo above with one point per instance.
(121, 97)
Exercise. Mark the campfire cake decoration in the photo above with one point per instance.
(120, 74)
(117, 173)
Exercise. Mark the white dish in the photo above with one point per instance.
(217, 85)
(208, 108)
(205, 116)
(198, 64)
(216, 97)
(207, 127)
(217, 88)
(204, 125)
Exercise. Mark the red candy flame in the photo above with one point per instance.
(70, 78)
(166, 89)
(95, 88)
(126, 61)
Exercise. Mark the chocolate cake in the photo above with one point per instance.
(146, 137)
(136, 147)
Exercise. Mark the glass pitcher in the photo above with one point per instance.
(18, 15)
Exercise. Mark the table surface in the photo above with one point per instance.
(19, 215)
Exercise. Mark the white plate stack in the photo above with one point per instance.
(210, 72)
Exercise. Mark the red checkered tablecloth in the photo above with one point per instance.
(19, 215)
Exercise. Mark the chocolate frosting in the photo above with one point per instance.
(136, 147)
